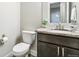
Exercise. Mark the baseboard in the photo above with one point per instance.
(9, 54)
(34, 53)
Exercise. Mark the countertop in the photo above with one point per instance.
(58, 32)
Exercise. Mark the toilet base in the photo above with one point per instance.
(24, 55)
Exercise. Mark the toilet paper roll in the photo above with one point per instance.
(5, 39)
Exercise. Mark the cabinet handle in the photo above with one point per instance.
(63, 52)
(58, 51)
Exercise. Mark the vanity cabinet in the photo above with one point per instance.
(68, 52)
(47, 50)
(50, 45)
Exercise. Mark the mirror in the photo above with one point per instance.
(58, 12)
(73, 13)
(55, 13)
(63, 12)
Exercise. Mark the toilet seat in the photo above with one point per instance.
(20, 49)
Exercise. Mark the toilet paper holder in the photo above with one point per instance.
(1, 40)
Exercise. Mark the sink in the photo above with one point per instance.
(66, 32)
(61, 29)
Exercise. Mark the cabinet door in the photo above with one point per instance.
(47, 50)
(71, 52)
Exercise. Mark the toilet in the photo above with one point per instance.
(21, 49)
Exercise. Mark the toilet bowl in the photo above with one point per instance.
(21, 49)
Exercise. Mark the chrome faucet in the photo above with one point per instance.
(73, 28)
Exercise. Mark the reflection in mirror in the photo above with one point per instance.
(63, 12)
(73, 16)
(55, 12)
(63, 15)
(58, 12)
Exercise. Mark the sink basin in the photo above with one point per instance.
(61, 29)
(67, 33)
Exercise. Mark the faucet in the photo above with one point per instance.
(59, 27)
(73, 28)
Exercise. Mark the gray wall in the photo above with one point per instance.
(9, 25)
(31, 18)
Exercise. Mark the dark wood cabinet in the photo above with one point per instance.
(47, 50)
(50, 45)
(68, 52)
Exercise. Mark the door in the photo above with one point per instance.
(47, 50)
(68, 52)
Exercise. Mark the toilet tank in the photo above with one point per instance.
(28, 36)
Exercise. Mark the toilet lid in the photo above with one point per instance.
(21, 47)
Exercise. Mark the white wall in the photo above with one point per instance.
(31, 17)
(46, 10)
(9, 24)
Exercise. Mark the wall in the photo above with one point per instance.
(46, 11)
(9, 25)
(31, 17)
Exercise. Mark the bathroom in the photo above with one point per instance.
(35, 18)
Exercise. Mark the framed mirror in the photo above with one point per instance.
(63, 12)
(58, 12)
(55, 14)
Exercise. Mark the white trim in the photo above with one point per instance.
(67, 12)
(34, 53)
